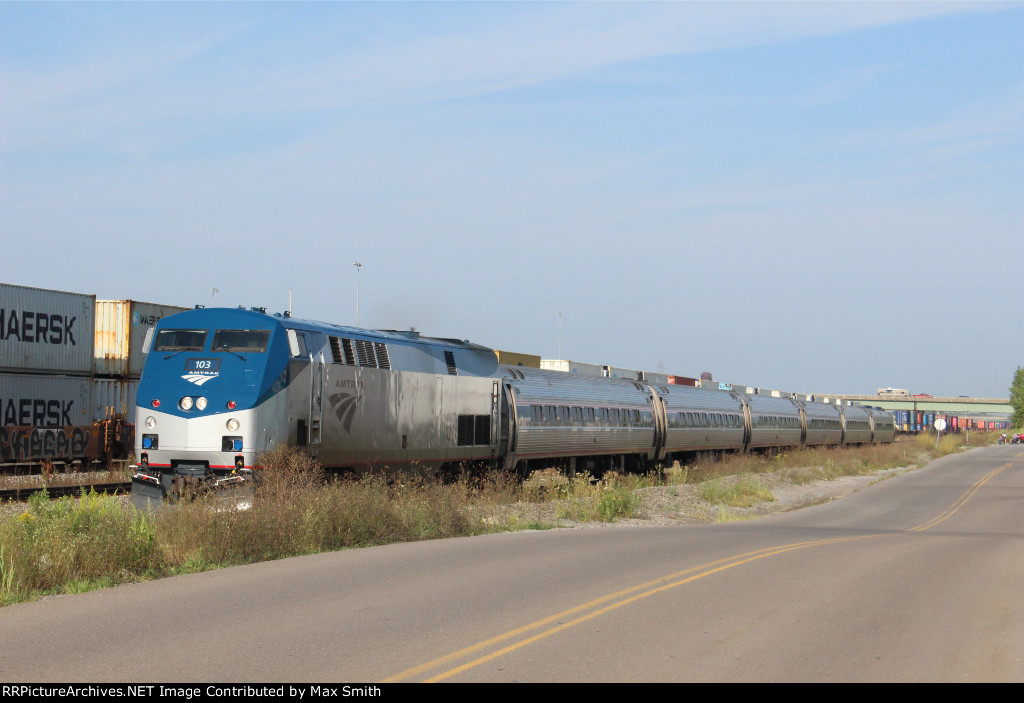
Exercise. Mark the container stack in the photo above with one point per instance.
(121, 327)
(69, 371)
(46, 368)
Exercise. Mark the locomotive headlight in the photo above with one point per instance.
(200, 403)
(233, 425)
(150, 422)
(185, 403)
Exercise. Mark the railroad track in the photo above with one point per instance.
(23, 493)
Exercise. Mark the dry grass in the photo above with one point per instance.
(66, 546)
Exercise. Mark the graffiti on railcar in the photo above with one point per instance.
(35, 443)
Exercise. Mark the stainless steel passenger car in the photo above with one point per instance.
(701, 420)
(608, 421)
(774, 422)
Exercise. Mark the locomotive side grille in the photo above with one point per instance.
(383, 362)
(482, 430)
(465, 437)
(336, 350)
(449, 359)
(474, 430)
(364, 350)
(341, 351)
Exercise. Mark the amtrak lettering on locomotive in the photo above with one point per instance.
(222, 386)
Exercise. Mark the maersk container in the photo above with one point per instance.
(36, 400)
(112, 397)
(121, 327)
(45, 331)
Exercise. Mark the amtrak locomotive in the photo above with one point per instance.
(222, 386)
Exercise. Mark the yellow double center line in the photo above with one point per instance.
(587, 611)
(960, 501)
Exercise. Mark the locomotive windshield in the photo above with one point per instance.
(180, 340)
(241, 340)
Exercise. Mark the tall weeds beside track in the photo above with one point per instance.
(71, 545)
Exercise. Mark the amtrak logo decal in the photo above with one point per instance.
(344, 405)
(198, 378)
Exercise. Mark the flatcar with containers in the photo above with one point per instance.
(222, 386)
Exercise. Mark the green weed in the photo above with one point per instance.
(740, 493)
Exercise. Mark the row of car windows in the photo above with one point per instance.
(821, 423)
(629, 417)
(575, 415)
(775, 421)
(682, 420)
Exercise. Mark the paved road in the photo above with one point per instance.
(916, 578)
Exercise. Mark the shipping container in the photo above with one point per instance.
(619, 372)
(121, 327)
(682, 381)
(45, 331)
(45, 417)
(567, 366)
(660, 379)
(50, 418)
(114, 397)
(45, 401)
(517, 359)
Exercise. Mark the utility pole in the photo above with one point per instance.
(358, 267)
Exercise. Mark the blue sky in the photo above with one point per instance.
(820, 197)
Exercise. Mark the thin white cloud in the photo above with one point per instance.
(163, 82)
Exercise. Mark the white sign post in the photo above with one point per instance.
(940, 425)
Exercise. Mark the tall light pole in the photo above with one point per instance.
(358, 266)
(213, 296)
(559, 313)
